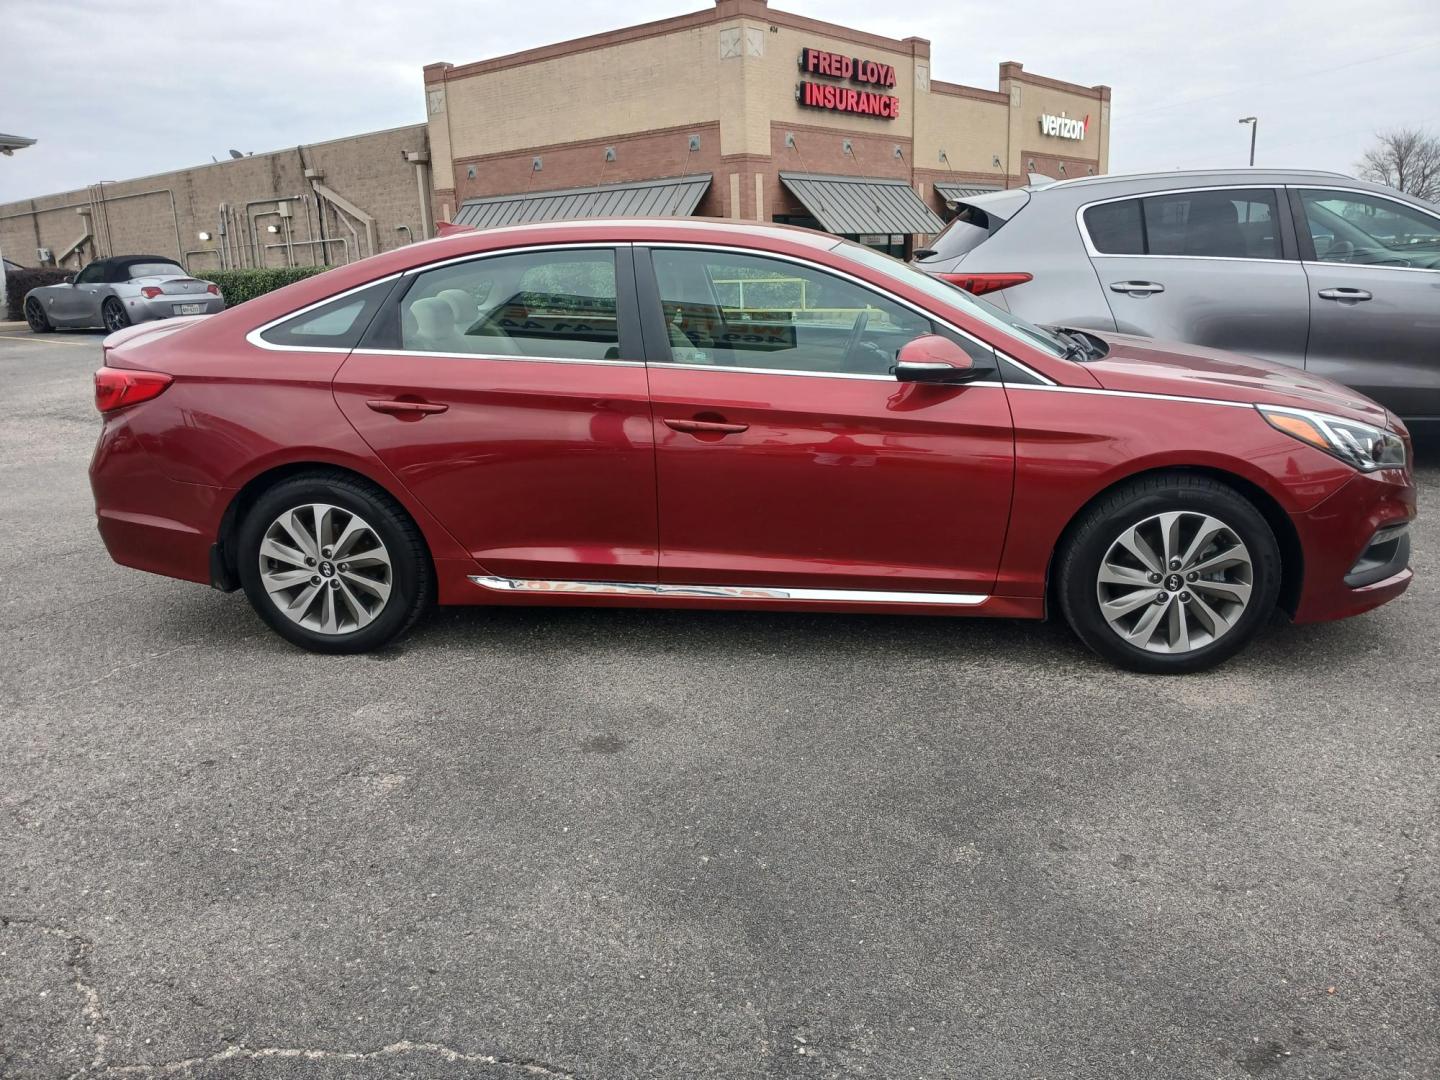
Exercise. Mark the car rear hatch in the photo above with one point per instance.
(976, 219)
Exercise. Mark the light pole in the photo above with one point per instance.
(1254, 122)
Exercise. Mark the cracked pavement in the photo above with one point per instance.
(624, 844)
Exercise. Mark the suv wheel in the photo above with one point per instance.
(333, 565)
(1171, 574)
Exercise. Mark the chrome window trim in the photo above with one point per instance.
(254, 338)
(1319, 264)
(722, 592)
(1282, 206)
(674, 245)
(489, 356)
(476, 256)
(1133, 394)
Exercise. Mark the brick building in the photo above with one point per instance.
(738, 110)
(744, 111)
(326, 202)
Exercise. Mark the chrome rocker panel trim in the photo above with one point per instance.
(721, 592)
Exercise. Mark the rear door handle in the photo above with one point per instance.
(706, 427)
(1345, 294)
(1137, 288)
(408, 409)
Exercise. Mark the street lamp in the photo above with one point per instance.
(1254, 122)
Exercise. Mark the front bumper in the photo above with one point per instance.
(1355, 555)
(168, 306)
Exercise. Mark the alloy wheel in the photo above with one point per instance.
(35, 316)
(1175, 582)
(114, 316)
(325, 568)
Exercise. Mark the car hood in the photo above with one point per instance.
(1141, 365)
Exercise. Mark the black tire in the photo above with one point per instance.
(35, 316)
(113, 315)
(1099, 526)
(412, 580)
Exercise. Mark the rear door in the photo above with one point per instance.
(1214, 267)
(1373, 265)
(508, 393)
(786, 452)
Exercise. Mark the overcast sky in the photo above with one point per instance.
(112, 90)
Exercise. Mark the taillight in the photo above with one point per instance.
(151, 291)
(980, 284)
(117, 388)
(213, 290)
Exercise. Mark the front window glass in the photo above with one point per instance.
(734, 310)
(541, 304)
(1371, 230)
(91, 274)
(955, 297)
(154, 269)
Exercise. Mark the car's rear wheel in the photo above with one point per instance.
(333, 564)
(36, 318)
(113, 314)
(1171, 574)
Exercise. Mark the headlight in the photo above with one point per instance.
(1365, 447)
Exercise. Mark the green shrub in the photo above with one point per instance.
(237, 286)
(20, 282)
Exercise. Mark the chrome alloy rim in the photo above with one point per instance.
(1175, 582)
(325, 568)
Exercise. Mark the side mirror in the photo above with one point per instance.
(934, 359)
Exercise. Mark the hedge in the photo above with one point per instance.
(20, 282)
(237, 286)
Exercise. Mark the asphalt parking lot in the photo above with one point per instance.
(611, 844)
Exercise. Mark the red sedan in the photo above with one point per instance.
(710, 414)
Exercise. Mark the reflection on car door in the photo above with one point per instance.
(508, 393)
(1214, 267)
(1373, 266)
(786, 452)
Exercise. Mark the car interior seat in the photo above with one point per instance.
(1212, 228)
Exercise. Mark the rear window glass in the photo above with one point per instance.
(154, 269)
(1115, 228)
(335, 325)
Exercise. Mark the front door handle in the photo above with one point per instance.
(1137, 288)
(706, 427)
(1352, 295)
(406, 410)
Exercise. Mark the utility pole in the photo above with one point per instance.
(1254, 122)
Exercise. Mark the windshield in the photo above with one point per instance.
(955, 297)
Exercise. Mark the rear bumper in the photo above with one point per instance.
(1353, 563)
(166, 307)
(147, 520)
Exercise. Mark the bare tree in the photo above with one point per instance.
(1406, 159)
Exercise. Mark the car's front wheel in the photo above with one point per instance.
(112, 312)
(333, 564)
(1173, 573)
(36, 318)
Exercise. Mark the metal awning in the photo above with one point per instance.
(676, 196)
(960, 192)
(854, 205)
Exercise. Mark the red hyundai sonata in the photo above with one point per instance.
(723, 415)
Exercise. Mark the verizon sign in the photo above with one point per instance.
(1063, 127)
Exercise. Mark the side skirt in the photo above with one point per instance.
(722, 592)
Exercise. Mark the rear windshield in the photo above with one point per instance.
(155, 269)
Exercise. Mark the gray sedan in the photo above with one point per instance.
(1316, 270)
(114, 293)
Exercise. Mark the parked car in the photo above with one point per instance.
(114, 293)
(1315, 270)
(705, 414)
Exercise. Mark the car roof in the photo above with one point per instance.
(1204, 177)
(712, 229)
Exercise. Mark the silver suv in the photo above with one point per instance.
(1316, 270)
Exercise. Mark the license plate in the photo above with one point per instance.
(189, 309)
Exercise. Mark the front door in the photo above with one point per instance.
(787, 453)
(1214, 267)
(1374, 271)
(508, 394)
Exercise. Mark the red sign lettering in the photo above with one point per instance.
(845, 99)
